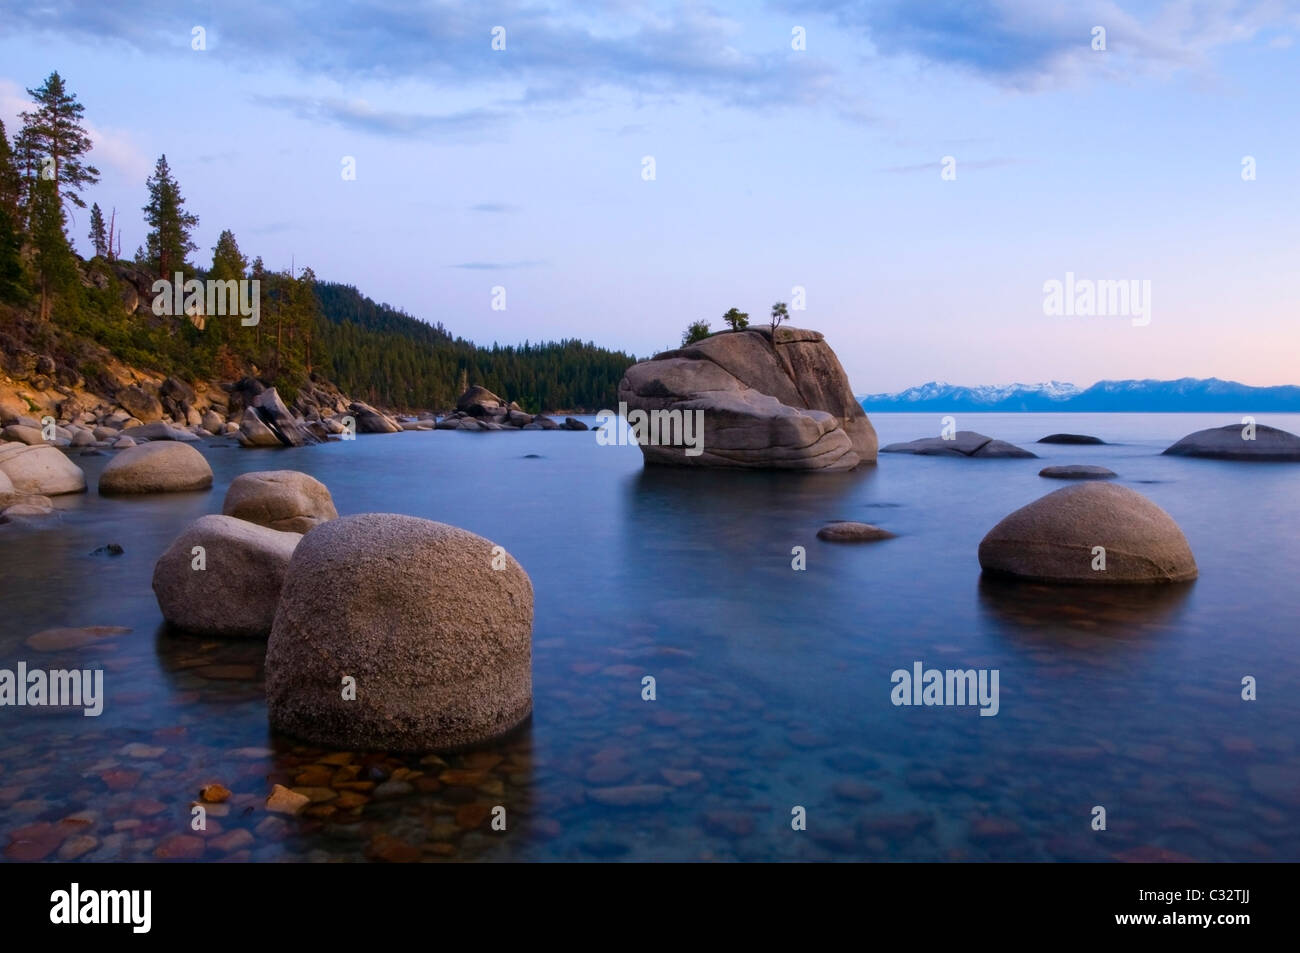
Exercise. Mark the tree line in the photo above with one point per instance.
(308, 329)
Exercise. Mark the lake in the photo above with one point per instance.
(772, 685)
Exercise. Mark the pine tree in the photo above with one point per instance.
(227, 261)
(98, 239)
(55, 133)
(11, 182)
(56, 269)
(11, 239)
(168, 243)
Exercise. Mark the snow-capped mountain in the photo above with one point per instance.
(1187, 394)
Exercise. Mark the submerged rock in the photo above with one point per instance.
(846, 531)
(286, 500)
(157, 467)
(1077, 471)
(964, 443)
(1233, 443)
(1069, 535)
(1073, 438)
(234, 587)
(438, 639)
(770, 401)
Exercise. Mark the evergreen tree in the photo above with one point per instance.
(98, 238)
(696, 331)
(227, 261)
(11, 239)
(56, 268)
(779, 314)
(55, 133)
(738, 319)
(168, 243)
(11, 182)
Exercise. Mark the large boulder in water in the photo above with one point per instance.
(156, 467)
(285, 500)
(480, 402)
(42, 470)
(769, 400)
(267, 417)
(963, 443)
(370, 420)
(1239, 442)
(1055, 539)
(436, 636)
(237, 588)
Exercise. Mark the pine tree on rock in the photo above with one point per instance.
(168, 243)
(54, 132)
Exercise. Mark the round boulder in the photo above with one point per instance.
(43, 470)
(280, 499)
(1239, 442)
(162, 467)
(432, 622)
(232, 586)
(845, 531)
(1077, 471)
(1064, 535)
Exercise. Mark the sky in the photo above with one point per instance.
(921, 170)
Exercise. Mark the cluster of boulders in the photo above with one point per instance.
(480, 409)
(383, 659)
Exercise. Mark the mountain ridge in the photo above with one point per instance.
(1148, 395)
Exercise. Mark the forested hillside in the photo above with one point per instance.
(82, 311)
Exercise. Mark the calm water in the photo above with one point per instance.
(773, 685)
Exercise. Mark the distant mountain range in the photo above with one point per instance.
(1186, 395)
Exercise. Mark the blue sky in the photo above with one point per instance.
(775, 167)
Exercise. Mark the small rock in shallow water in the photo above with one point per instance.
(56, 640)
(1077, 471)
(112, 549)
(846, 531)
(232, 841)
(630, 795)
(75, 847)
(283, 801)
(180, 847)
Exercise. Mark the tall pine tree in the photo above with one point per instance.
(11, 239)
(54, 131)
(168, 243)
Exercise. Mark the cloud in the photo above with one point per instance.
(498, 265)
(496, 208)
(550, 56)
(1033, 43)
(361, 116)
(963, 165)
